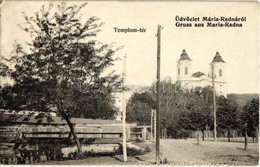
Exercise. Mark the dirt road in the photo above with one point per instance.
(187, 152)
(184, 152)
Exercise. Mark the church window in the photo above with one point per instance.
(186, 70)
(179, 71)
(220, 72)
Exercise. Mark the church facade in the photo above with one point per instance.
(190, 79)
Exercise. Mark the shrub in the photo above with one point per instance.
(133, 151)
(138, 140)
(147, 149)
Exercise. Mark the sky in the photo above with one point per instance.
(238, 46)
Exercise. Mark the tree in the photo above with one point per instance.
(139, 108)
(173, 99)
(63, 58)
(250, 117)
(197, 114)
(181, 111)
(179, 104)
(227, 115)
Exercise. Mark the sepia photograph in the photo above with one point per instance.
(129, 82)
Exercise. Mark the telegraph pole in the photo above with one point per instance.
(214, 102)
(158, 96)
(124, 111)
(152, 121)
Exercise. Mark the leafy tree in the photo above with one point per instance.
(173, 99)
(207, 94)
(197, 114)
(139, 108)
(227, 115)
(63, 57)
(250, 116)
(5, 93)
(184, 110)
(181, 111)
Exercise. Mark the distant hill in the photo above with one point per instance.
(242, 99)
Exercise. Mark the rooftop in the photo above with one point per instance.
(184, 55)
(197, 74)
(217, 58)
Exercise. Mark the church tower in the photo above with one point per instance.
(184, 67)
(218, 65)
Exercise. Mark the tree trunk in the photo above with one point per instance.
(209, 135)
(198, 137)
(74, 135)
(228, 134)
(203, 135)
(71, 126)
(246, 140)
(256, 134)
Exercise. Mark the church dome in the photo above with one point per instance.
(184, 55)
(217, 58)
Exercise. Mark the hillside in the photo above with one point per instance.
(242, 99)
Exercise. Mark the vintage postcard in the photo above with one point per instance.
(129, 82)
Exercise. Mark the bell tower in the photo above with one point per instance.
(218, 65)
(184, 66)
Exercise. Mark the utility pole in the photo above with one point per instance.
(152, 123)
(158, 96)
(124, 110)
(1, 32)
(214, 101)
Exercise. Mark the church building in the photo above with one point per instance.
(190, 79)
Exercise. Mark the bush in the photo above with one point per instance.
(133, 151)
(147, 149)
(180, 133)
(138, 140)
